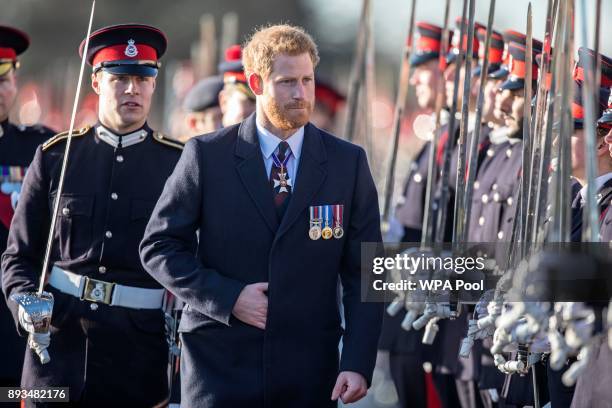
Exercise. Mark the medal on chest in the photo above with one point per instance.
(315, 223)
(338, 215)
(327, 232)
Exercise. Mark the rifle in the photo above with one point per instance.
(450, 144)
(466, 205)
(357, 72)
(400, 104)
(432, 169)
(590, 93)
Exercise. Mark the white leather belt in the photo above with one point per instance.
(109, 293)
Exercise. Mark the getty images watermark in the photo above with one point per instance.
(464, 272)
(412, 262)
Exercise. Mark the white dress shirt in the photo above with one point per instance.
(269, 142)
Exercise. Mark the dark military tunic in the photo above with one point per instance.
(109, 192)
(17, 147)
(605, 219)
(410, 212)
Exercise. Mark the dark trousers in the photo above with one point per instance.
(108, 357)
(447, 390)
(560, 395)
(409, 379)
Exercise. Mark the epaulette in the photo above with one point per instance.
(167, 141)
(64, 135)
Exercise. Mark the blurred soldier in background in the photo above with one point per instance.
(17, 147)
(236, 99)
(328, 102)
(201, 104)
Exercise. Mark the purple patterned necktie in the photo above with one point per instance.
(279, 178)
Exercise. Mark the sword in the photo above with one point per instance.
(473, 329)
(466, 206)
(458, 229)
(544, 107)
(435, 310)
(432, 168)
(39, 305)
(590, 88)
(450, 144)
(400, 104)
(357, 72)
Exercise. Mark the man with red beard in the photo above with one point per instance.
(281, 209)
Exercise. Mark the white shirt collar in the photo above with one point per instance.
(269, 142)
(126, 140)
(599, 182)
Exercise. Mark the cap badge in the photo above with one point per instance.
(131, 50)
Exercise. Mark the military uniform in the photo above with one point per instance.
(407, 353)
(107, 331)
(593, 386)
(17, 146)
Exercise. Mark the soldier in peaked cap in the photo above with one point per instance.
(604, 125)
(406, 351)
(425, 79)
(593, 386)
(107, 329)
(17, 146)
(236, 99)
(603, 180)
(201, 104)
(328, 102)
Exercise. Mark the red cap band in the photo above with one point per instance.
(8, 53)
(605, 81)
(136, 52)
(518, 69)
(496, 55)
(234, 77)
(577, 111)
(328, 98)
(428, 44)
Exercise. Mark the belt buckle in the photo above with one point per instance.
(97, 291)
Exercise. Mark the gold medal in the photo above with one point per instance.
(327, 233)
(338, 232)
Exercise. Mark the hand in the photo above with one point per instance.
(252, 305)
(350, 387)
(25, 320)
